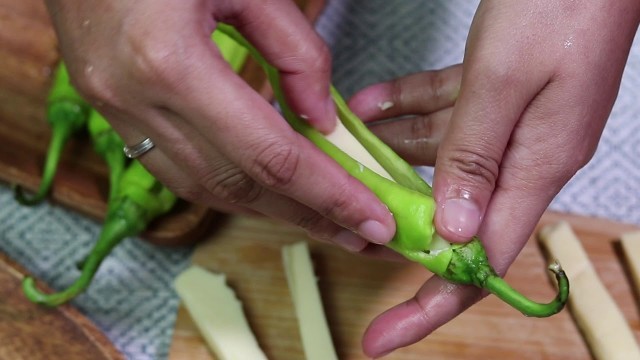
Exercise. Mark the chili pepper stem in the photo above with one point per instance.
(497, 286)
(470, 265)
(59, 136)
(120, 223)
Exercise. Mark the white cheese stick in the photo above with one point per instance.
(631, 249)
(600, 320)
(218, 314)
(343, 139)
(314, 330)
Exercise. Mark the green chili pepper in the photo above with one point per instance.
(409, 200)
(108, 144)
(67, 114)
(233, 53)
(140, 199)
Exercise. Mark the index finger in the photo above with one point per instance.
(285, 37)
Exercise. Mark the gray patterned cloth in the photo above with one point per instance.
(131, 298)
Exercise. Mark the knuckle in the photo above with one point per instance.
(584, 156)
(502, 75)
(315, 57)
(191, 193)
(569, 164)
(339, 204)
(275, 164)
(230, 184)
(322, 60)
(153, 62)
(423, 127)
(436, 83)
(398, 92)
(95, 87)
(474, 167)
(314, 223)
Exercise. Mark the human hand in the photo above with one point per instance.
(539, 80)
(151, 69)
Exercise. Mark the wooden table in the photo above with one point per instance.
(355, 289)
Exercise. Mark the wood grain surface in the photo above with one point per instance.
(355, 289)
(32, 332)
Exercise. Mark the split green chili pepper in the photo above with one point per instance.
(108, 144)
(67, 114)
(409, 199)
(140, 199)
(233, 53)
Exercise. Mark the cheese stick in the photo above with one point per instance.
(631, 249)
(218, 314)
(595, 312)
(314, 330)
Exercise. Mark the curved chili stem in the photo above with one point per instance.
(124, 221)
(140, 199)
(469, 265)
(61, 133)
(67, 114)
(497, 286)
(462, 264)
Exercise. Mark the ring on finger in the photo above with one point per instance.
(139, 149)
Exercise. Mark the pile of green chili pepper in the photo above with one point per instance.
(135, 196)
(409, 199)
(67, 114)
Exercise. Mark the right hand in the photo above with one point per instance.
(537, 85)
(151, 69)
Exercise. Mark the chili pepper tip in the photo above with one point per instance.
(20, 196)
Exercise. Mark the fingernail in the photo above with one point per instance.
(349, 240)
(461, 216)
(375, 232)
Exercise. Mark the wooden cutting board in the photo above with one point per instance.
(355, 289)
(32, 332)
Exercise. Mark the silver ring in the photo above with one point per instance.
(138, 149)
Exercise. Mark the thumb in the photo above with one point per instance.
(464, 180)
(469, 157)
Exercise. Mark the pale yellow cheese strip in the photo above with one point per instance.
(343, 139)
(631, 248)
(314, 330)
(596, 313)
(218, 314)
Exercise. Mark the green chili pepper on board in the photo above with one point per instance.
(409, 199)
(140, 199)
(108, 144)
(67, 114)
(135, 196)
